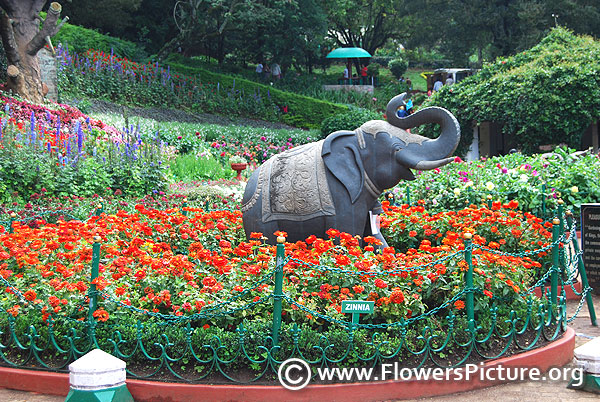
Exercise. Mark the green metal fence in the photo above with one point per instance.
(167, 346)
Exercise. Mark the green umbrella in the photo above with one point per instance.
(348, 52)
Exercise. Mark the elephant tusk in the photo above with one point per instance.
(429, 165)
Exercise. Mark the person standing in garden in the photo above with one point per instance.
(259, 70)
(437, 85)
(363, 74)
(276, 71)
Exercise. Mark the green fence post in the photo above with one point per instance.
(184, 206)
(544, 201)
(408, 195)
(278, 292)
(469, 282)
(581, 269)
(10, 224)
(99, 209)
(561, 231)
(489, 201)
(391, 199)
(95, 271)
(555, 262)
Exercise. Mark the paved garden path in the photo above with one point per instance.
(530, 391)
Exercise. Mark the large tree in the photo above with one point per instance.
(283, 31)
(495, 28)
(365, 23)
(22, 38)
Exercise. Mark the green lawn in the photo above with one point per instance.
(418, 82)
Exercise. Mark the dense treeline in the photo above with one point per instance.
(300, 32)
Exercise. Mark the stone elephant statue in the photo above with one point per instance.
(336, 182)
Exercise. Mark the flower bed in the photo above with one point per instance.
(181, 292)
(536, 181)
(63, 152)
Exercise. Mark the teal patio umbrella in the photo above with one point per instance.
(348, 53)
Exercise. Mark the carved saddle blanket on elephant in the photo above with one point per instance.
(293, 185)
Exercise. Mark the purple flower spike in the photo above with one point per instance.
(79, 139)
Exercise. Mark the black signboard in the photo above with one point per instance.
(590, 243)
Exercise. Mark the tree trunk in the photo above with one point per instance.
(22, 38)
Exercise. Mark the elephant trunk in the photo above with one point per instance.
(431, 153)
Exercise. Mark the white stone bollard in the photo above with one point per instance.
(587, 357)
(98, 376)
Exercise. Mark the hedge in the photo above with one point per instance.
(302, 111)
(79, 40)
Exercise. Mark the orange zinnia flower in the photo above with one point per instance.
(101, 315)
(459, 304)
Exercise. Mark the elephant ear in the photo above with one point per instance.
(342, 158)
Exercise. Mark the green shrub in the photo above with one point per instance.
(347, 121)
(381, 60)
(398, 67)
(548, 94)
(373, 70)
(200, 166)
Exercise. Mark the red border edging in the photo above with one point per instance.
(558, 353)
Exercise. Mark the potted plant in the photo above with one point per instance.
(238, 163)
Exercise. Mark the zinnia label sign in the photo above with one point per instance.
(358, 306)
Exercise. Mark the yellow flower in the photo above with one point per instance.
(457, 191)
(489, 185)
(574, 189)
(469, 183)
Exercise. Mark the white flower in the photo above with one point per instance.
(574, 189)
(490, 186)
(457, 191)
(469, 183)
(523, 178)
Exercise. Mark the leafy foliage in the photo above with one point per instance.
(347, 121)
(398, 67)
(547, 95)
(78, 40)
(536, 181)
